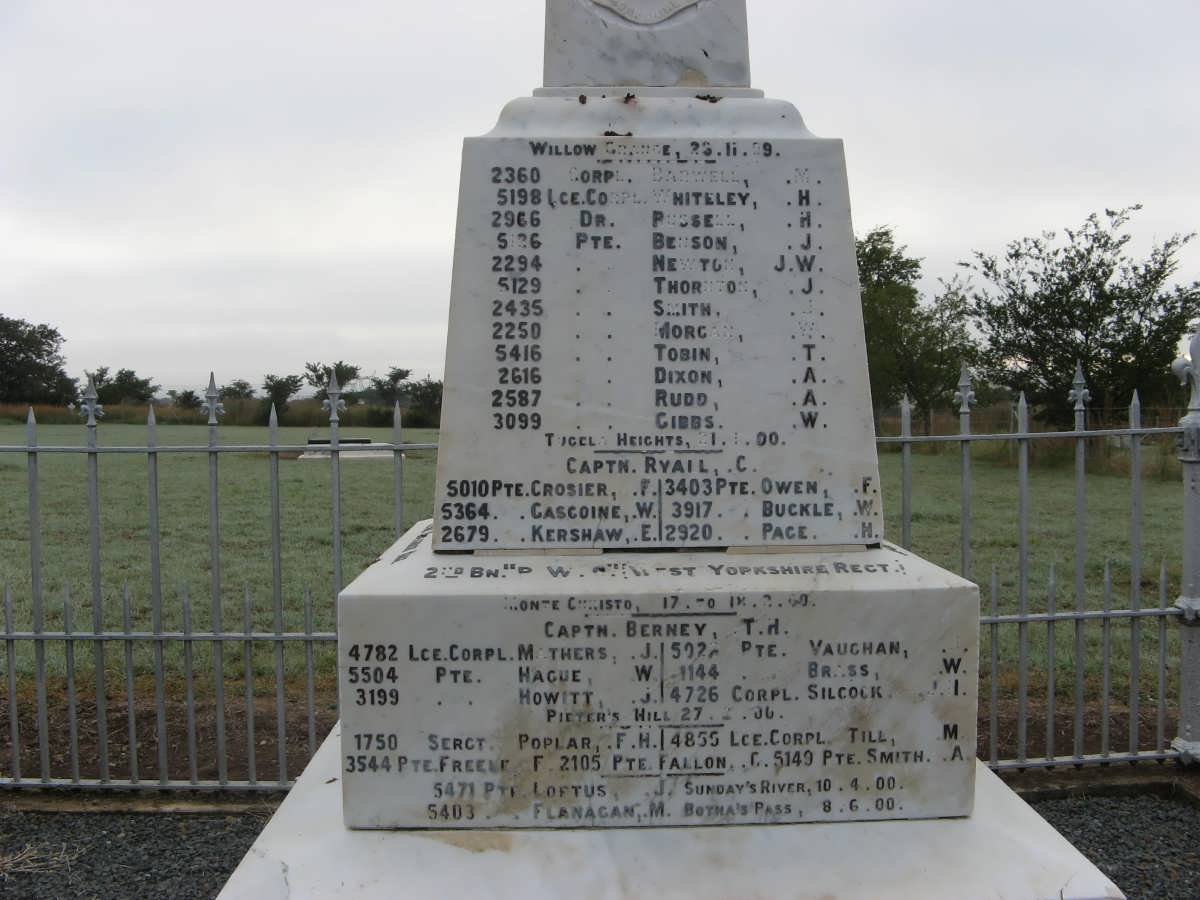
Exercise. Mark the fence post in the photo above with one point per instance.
(1080, 396)
(333, 404)
(906, 474)
(213, 406)
(35, 584)
(91, 408)
(1188, 741)
(965, 398)
(397, 471)
(1135, 570)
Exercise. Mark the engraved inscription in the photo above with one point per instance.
(633, 707)
(658, 344)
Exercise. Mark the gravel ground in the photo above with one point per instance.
(1150, 846)
(103, 855)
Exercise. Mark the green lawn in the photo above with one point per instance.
(368, 529)
(306, 524)
(936, 536)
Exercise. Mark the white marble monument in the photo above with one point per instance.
(655, 590)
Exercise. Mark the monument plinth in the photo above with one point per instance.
(643, 689)
(654, 591)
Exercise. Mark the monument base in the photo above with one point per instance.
(1004, 850)
(655, 689)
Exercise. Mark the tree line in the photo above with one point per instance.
(1023, 318)
(1020, 319)
(32, 371)
(421, 399)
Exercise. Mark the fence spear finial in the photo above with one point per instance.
(30, 429)
(333, 404)
(89, 404)
(1079, 395)
(964, 396)
(212, 401)
(1185, 370)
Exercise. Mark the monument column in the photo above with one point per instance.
(649, 43)
(655, 327)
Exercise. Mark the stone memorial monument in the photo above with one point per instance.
(654, 591)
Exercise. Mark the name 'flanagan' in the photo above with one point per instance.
(546, 811)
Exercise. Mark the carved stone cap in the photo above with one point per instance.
(651, 43)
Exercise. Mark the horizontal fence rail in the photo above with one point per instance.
(186, 695)
(1104, 751)
(150, 761)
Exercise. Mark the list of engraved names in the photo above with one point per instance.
(649, 338)
(652, 709)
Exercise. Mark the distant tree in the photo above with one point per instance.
(238, 389)
(424, 398)
(935, 341)
(887, 278)
(1047, 303)
(124, 387)
(913, 347)
(31, 364)
(99, 377)
(389, 388)
(279, 389)
(187, 399)
(316, 375)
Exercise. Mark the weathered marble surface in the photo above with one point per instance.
(690, 43)
(1004, 851)
(655, 689)
(655, 332)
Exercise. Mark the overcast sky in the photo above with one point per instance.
(244, 186)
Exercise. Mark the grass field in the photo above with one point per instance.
(368, 530)
(183, 485)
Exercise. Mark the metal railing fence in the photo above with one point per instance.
(272, 696)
